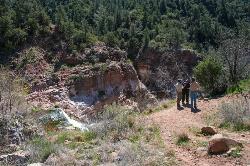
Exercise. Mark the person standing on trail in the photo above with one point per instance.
(185, 92)
(178, 88)
(194, 88)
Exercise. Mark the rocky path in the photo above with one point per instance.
(173, 122)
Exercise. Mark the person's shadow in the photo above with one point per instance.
(180, 108)
(195, 110)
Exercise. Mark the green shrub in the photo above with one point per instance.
(28, 57)
(208, 73)
(235, 153)
(111, 40)
(161, 106)
(234, 89)
(182, 139)
(36, 109)
(244, 86)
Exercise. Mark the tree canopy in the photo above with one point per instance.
(129, 24)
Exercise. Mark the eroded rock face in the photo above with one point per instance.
(105, 85)
(159, 70)
(14, 131)
(113, 79)
(103, 76)
(101, 53)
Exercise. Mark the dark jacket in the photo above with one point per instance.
(186, 85)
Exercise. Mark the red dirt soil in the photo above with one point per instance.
(173, 122)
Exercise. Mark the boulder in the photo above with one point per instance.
(17, 158)
(73, 59)
(219, 144)
(208, 130)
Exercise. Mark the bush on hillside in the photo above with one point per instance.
(208, 73)
(243, 87)
(236, 114)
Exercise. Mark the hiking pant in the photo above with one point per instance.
(179, 97)
(185, 95)
(193, 96)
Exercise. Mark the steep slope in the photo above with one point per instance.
(84, 82)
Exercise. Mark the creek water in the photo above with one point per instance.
(74, 123)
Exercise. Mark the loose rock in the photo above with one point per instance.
(17, 158)
(219, 144)
(208, 130)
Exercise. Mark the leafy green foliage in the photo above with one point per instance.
(208, 73)
(131, 25)
(20, 21)
(235, 152)
(244, 86)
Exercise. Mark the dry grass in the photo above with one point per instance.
(120, 136)
(165, 104)
(235, 114)
(182, 139)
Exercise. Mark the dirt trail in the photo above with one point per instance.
(173, 122)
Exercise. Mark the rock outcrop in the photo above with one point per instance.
(159, 70)
(103, 75)
(18, 158)
(14, 131)
(98, 53)
(60, 119)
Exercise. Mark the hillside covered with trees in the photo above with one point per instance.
(129, 24)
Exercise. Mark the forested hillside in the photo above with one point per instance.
(129, 24)
(93, 82)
